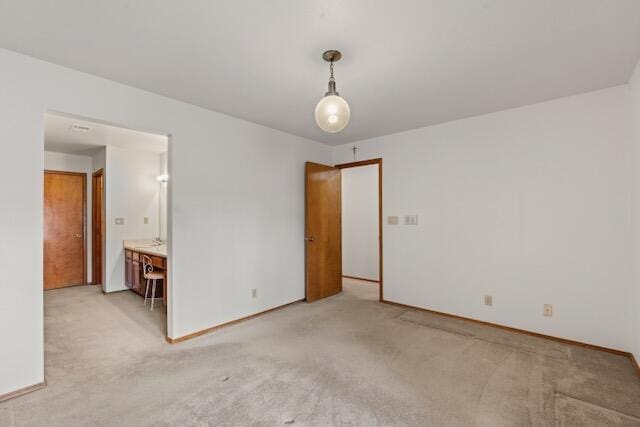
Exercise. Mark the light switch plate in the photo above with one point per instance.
(119, 221)
(547, 310)
(393, 220)
(411, 220)
(146, 220)
(488, 300)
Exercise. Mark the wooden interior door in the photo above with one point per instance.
(97, 226)
(64, 229)
(323, 238)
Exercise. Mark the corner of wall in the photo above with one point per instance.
(634, 87)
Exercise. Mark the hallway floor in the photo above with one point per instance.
(344, 360)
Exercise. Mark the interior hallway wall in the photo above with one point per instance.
(99, 159)
(634, 85)
(230, 206)
(75, 163)
(360, 222)
(132, 193)
(531, 205)
(164, 170)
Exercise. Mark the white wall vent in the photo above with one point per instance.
(80, 128)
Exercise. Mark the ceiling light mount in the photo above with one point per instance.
(332, 55)
(332, 112)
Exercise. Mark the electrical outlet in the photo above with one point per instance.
(488, 300)
(254, 293)
(146, 220)
(119, 221)
(392, 220)
(547, 310)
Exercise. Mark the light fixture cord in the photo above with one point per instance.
(331, 70)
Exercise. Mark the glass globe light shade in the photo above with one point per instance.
(332, 113)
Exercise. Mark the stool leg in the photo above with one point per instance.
(146, 292)
(153, 294)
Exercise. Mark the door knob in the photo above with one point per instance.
(309, 239)
(78, 236)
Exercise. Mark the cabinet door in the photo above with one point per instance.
(128, 267)
(137, 279)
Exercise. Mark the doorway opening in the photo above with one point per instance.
(106, 189)
(361, 215)
(343, 228)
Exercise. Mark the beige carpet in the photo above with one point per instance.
(346, 360)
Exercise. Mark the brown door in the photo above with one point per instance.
(323, 231)
(64, 229)
(97, 226)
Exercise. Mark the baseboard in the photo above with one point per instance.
(65, 287)
(224, 325)
(115, 292)
(361, 278)
(635, 363)
(521, 331)
(22, 391)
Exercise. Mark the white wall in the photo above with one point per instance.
(634, 85)
(531, 205)
(99, 159)
(74, 163)
(236, 190)
(132, 193)
(164, 169)
(360, 222)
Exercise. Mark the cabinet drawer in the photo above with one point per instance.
(157, 261)
(136, 256)
(127, 253)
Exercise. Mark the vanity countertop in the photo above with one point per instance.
(147, 246)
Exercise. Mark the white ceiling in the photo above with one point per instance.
(407, 63)
(60, 137)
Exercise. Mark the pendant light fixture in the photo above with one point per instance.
(332, 111)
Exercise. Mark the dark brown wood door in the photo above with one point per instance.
(323, 239)
(64, 229)
(97, 226)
